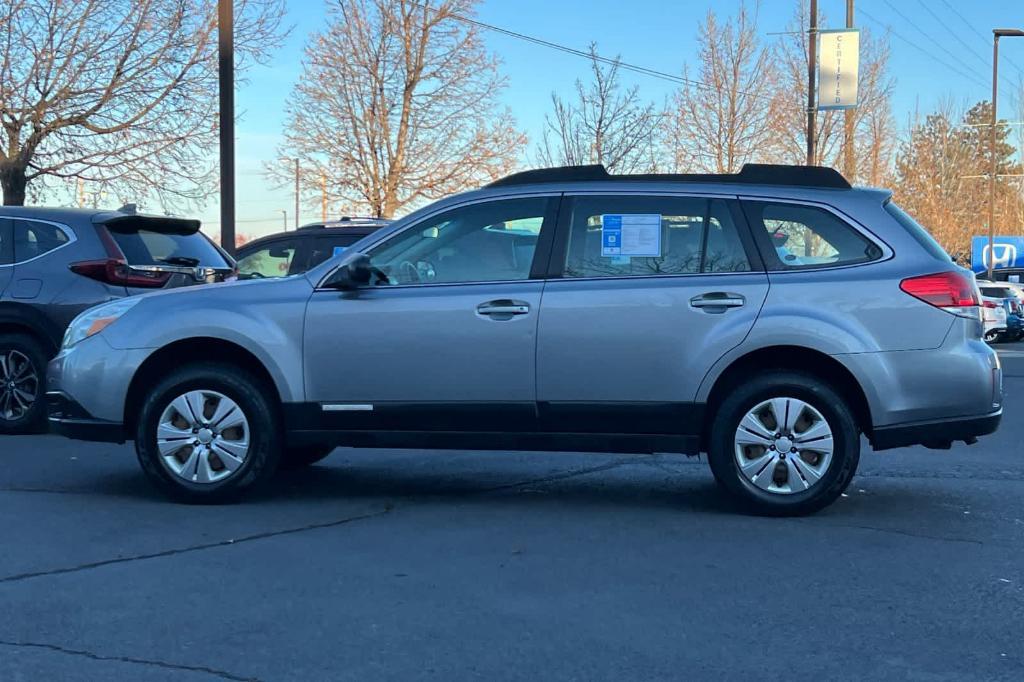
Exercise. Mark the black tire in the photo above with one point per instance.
(300, 458)
(32, 420)
(816, 393)
(265, 441)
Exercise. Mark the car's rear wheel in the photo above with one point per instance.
(208, 433)
(22, 373)
(784, 443)
(299, 458)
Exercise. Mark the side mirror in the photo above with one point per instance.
(352, 275)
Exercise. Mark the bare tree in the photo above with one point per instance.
(874, 128)
(397, 104)
(722, 121)
(603, 124)
(121, 93)
(942, 169)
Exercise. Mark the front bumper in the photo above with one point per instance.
(936, 434)
(69, 419)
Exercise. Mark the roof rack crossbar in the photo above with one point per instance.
(751, 173)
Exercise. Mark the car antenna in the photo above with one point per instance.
(130, 209)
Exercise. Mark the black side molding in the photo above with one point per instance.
(938, 435)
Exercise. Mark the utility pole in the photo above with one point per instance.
(996, 34)
(812, 62)
(226, 78)
(284, 216)
(296, 192)
(323, 196)
(81, 193)
(849, 161)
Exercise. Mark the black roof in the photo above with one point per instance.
(348, 223)
(750, 174)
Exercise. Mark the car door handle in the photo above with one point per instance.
(717, 299)
(503, 308)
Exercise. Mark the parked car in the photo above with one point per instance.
(562, 309)
(1009, 299)
(292, 253)
(55, 263)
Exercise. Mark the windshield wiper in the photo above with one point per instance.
(180, 260)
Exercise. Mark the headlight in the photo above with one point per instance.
(96, 319)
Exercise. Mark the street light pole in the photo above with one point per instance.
(226, 78)
(284, 217)
(996, 34)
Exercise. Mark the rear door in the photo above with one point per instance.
(6, 254)
(653, 290)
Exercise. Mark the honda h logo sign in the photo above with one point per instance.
(1003, 253)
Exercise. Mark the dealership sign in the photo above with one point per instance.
(837, 68)
(1006, 252)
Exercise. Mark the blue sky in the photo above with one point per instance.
(658, 34)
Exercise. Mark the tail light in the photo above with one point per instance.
(989, 304)
(114, 269)
(952, 291)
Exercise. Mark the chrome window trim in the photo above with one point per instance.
(444, 209)
(66, 230)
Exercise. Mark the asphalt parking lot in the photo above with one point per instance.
(406, 565)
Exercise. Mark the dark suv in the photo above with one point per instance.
(291, 253)
(55, 263)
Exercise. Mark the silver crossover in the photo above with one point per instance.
(767, 318)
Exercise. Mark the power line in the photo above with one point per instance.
(927, 35)
(979, 34)
(960, 40)
(654, 73)
(914, 45)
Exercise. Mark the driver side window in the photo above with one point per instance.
(486, 242)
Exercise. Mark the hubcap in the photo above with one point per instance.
(19, 385)
(783, 446)
(203, 437)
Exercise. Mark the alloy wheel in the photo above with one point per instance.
(19, 384)
(783, 446)
(203, 436)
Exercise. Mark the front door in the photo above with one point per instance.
(445, 338)
(654, 290)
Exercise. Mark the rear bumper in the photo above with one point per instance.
(69, 419)
(937, 434)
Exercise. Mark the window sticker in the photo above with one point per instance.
(338, 250)
(631, 234)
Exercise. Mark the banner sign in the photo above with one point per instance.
(1007, 252)
(837, 68)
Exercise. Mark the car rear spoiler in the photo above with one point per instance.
(121, 222)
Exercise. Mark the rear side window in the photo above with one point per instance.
(800, 237)
(636, 236)
(917, 231)
(6, 242)
(32, 239)
(144, 247)
(996, 292)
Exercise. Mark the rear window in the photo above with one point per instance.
(143, 247)
(921, 235)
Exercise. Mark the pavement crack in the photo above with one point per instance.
(194, 548)
(223, 674)
(572, 473)
(906, 533)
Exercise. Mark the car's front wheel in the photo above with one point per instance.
(784, 443)
(208, 433)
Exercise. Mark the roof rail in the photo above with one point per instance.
(750, 174)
